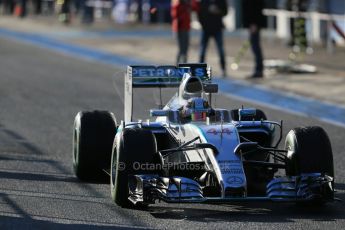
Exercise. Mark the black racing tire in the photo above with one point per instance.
(260, 115)
(132, 145)
(93, 137)
(309, 151)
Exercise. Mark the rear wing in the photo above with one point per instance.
(141, 76)
(164, 76)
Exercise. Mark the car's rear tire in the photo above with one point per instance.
(260, 115)
(309, 151)
(93, 137)
(132, 147)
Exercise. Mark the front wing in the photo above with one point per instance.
(307, 187)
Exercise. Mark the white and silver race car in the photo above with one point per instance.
(195, 153)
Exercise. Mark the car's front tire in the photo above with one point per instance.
(93, 136)
(309, 151)
(133, 147)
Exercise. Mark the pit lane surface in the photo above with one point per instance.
(40, 93)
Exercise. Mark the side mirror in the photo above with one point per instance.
(246, 147)
(248, 112)
(159, 113)
(211, 88)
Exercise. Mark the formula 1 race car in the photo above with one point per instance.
(195, 153)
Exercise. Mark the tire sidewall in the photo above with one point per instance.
(309, 151)
(123, 159)
(92, 133)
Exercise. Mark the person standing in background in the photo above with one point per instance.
(23, 5)
(254, 20)
(65, 14)
(37, 5)
(211, 15)
(8, 7)
(87, 10)
(180, 15)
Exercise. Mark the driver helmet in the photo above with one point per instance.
(196, 109)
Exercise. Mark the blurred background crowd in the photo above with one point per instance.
(318, 13)
(324, 19)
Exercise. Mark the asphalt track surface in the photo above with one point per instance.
(40, 93)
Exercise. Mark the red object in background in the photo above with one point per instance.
(18, 10)
(153, 10)
(180, 14)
